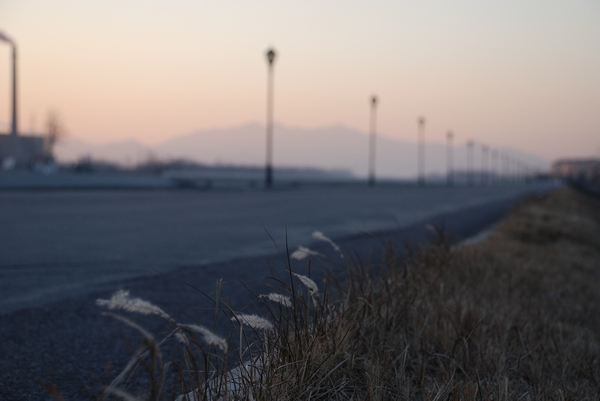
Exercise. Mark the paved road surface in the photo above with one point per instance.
(58, 244)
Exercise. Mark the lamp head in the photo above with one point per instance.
(271, 56)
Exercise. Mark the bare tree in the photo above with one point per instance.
(55, 130)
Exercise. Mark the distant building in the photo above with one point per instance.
(22, 151)
(577, 169)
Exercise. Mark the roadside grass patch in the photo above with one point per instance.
(511, 317)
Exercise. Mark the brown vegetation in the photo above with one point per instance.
(513, 316)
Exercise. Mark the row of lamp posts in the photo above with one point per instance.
(485, 174)
(494, 166)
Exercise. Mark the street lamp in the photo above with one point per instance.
(4, 38)
(494, 167)
(269, 167)
(513, 169)
(421, 157)
(470, 144)
(449, 158)
(506, 170)
(484, 164)
(372, 141)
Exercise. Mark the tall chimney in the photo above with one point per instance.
(4, 38)
(14, 91)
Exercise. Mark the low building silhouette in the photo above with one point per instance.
(23, 151)
(577, 169)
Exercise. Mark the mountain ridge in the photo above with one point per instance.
(334, 147)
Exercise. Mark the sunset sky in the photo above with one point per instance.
(522, 73)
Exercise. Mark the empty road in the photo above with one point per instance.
(56, 245)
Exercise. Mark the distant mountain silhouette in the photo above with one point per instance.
(335, 147)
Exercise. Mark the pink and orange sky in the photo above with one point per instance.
(522, 73)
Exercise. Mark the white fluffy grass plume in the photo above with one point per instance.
(122, 300)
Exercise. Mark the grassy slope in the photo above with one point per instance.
(514, 316)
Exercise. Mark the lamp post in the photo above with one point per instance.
(421, 156)
(494, 167)
(269, 167)
(372, 139)
(449, 158)
(470, 145)
(4, 38)
(484, 164)
(513, 169)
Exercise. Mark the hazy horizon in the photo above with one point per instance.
(329, 148)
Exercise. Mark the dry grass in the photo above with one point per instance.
(514, 316)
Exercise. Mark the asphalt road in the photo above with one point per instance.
(59, 244)
(60, 250)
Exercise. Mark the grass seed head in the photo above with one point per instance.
(309, 283)
(181, 338)
(122, 300)
(303, 252)
(279, 298)
(254, 321)
(321, 237)
(208, 336)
